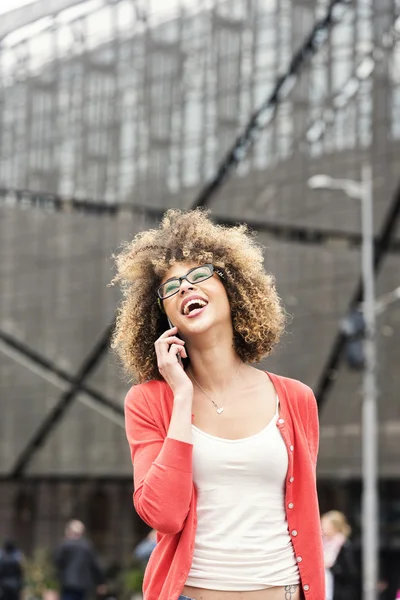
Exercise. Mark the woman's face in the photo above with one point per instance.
(213, 309)
(328, 528)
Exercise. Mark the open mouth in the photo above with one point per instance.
(194, 307)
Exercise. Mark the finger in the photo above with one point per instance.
(168, 332)
(176, 353)
(161, 351)
(182, 352)
(175, 349)
(162, 346)
(174, 340)
(168, 338)
(167, 355)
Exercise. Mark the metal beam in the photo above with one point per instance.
(32, 360)
(20, 17)
(265, 114)
(66, 399)
(329, 371)
(282, 231)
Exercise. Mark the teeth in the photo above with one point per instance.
(194, 301)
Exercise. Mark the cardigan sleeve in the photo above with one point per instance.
(312, 427)
(162, 468)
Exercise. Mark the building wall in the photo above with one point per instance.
(137, 113)
(34, 514)
(144, 119)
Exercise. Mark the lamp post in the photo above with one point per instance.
(362, 190)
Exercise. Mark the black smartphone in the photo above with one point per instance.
(179, 356)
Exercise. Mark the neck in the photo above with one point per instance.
(213, 361)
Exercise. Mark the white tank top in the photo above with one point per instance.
(242, 540)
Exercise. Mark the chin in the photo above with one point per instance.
(201, 325)
(196, 328)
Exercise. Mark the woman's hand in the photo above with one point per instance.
(169, 349)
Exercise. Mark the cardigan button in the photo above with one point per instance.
(291, 448)
(291, 479)
(306, 588)
(281, 421)
(294, 533)
(299, 559)
(291, 505)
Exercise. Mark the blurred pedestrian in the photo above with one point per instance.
(77, 564)
(11, 572)
(340, 567)
(143, 550)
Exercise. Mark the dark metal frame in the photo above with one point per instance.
(77, 384)
(286, 232)
(283, 86)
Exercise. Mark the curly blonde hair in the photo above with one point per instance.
(339, 522)
(257, 315)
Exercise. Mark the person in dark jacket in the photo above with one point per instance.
(77, 564)
(11, 573)
(340, 566)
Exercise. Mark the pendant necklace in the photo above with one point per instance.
(219, 409)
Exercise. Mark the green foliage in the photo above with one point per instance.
(131, 581)
(40, 574)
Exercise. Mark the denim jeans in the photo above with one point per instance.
(184, 598)
(69, 594)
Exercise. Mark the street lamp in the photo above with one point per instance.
(384, 301)
(362, 190)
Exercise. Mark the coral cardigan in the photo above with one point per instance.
(165, 496)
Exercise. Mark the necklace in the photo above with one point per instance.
(219, 409)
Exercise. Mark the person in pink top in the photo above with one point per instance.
(224, 454)
(340, 566)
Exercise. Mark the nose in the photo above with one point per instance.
(185, 287)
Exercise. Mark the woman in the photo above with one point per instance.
(341, 572)
(224, 454)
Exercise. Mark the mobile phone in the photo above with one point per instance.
(178, 356)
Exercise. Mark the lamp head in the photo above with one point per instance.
(320, 182)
